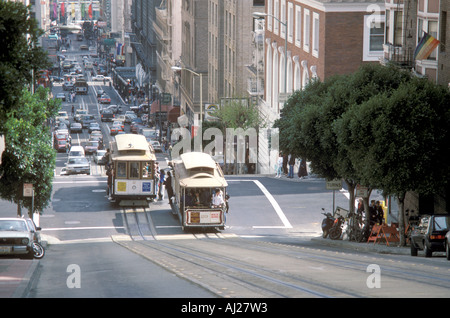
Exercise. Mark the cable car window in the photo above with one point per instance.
(122, 170)
(134, 170)
(147, 170)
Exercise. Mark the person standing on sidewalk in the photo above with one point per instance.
(291, 163)
(279, 165)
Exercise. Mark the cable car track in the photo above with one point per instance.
(214, 271)
(236, 267)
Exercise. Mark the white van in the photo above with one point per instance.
(76, 151)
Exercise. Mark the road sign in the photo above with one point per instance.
(27, 189)
(362, 191)
(283, 97)
(335, 184)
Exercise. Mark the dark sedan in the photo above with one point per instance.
(429, 236)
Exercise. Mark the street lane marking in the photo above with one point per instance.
(275, 205)
(82, 228)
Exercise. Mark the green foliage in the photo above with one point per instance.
(20, 56)
(379, 127)
(29, 156)
(238, 113)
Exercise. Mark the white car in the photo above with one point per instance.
(76, 165)
(101, 78)
(99, 157)
(156, 146)
(63, 114)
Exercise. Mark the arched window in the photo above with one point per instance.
(275, 76)
(269, 70)
(289, 87)
(297, 75)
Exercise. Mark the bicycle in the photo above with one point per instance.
(355, 227)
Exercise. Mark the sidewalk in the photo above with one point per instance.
(381, 248)
(16, 276)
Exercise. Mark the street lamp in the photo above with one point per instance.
(263, 15)
(178, 68)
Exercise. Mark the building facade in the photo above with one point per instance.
(322, 38)
(406, 23)
(307, 39)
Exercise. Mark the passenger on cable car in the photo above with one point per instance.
(217, 199)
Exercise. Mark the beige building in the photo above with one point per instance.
(230, 47)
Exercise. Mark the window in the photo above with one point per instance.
(121, 170)
(290, 22)
(398, 27)
(147, 170)
(276, 14)
(298, 26)
(432, 30)
(269, 12)
(376, 37)
(316, 38)
(283, 19)
(373, 37)
(306, 29)
(134, 170)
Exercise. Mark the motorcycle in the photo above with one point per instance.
(335, 231)
(38, 250)
(327, 223)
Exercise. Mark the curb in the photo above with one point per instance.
(364, 247)
(27, 281)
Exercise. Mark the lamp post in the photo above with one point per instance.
(263, 15)
(197, 139)
(178, 68)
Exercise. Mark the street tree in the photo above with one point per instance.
(21, 58)
(239, 115)
(29, 156)
(307, 121)
(399, 140)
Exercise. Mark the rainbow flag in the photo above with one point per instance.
(426, 45)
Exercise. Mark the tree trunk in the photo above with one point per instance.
(351, 189)
(401, 218)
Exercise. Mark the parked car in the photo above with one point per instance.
(104, 99)
(76, 165)
(430, 234)
(76, 128)
(91, 147)
(17, 236)
(99, 157)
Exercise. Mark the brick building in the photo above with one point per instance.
(324, 38)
